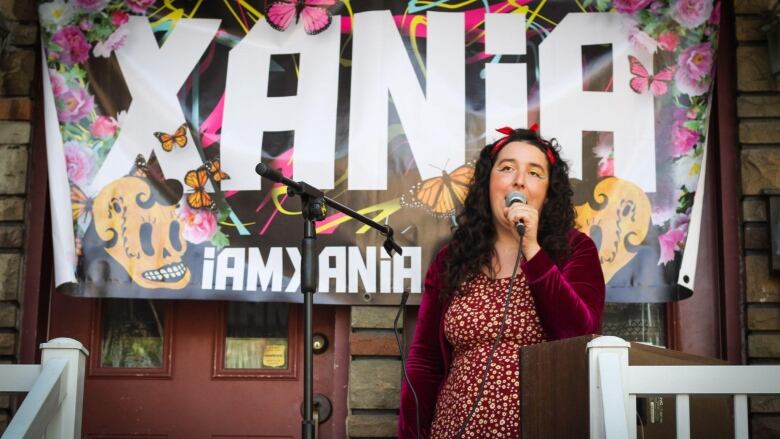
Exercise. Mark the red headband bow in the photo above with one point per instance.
(507, 132)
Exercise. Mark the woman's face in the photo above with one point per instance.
(519, 167)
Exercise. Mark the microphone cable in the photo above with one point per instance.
(401, 309)
(495, 343)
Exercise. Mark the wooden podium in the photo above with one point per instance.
(554, 394)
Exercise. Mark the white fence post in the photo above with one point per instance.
(66, 423)
(615, 372)
(614, 387)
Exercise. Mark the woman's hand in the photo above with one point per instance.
(529, 216)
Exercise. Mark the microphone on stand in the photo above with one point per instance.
(269, 173)
(516, 197)
(313, 202)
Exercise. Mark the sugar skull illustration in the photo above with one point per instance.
(618, 223)
(137, 222)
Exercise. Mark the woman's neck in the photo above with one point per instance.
(505, 255)
(506, 239)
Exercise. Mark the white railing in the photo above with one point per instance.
(55, 391)
(614, 386)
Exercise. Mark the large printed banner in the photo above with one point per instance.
(158, 113)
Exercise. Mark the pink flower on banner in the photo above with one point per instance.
(74, 105)
(103, 127)
(683, 139)
(199, 225)
(680, 221)
(630, 6)
(642, 41)
(656, 7)
(669, 242)
(715, 16)
(58, 84)
(112, 43)
(79, 162)
(86, 25)
(660, 215)
(73, 44)
(691, 13)
(90, 5)
(139, 6)
(693, 69)
(119, 18)
(668, 41)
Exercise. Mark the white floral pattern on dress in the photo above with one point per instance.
(471, 325)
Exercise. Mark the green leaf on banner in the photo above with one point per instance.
(220, 240)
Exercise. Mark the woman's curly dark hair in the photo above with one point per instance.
(471, 248)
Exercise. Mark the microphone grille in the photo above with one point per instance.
(514, 197)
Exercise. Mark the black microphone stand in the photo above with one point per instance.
(314, 208)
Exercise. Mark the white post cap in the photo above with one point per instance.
(64, 343)
(608, 341)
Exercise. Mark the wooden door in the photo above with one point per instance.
(191, 369)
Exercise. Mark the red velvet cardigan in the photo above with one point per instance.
(569, 298)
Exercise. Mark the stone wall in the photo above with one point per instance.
(374, 373)
(18, 39)
(758, 112)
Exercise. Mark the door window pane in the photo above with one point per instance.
(636, 322)
(131, 333)
(256, 335)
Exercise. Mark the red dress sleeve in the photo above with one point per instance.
(570, 296)
(425, 363)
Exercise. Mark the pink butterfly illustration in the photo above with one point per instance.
(314, 13)
(642, 81)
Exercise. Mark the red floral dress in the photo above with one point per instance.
(471, 324)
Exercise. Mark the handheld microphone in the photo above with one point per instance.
(516, 197)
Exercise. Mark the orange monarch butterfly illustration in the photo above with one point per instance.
(140, 168)
(81, 207)
(440, 196)
(215, 170)
(197, 179)
(177, 138)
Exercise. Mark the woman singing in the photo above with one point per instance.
(558, 292)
